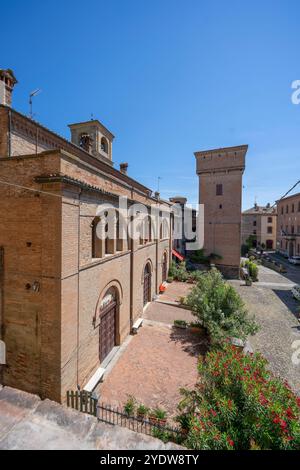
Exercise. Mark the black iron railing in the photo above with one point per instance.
(117, 417)
(82, 401)
(87, 402)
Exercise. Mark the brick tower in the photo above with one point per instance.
(220, 174)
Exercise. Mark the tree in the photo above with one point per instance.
(219, 308)
(251, 241)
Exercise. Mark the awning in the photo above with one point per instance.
(178, 255)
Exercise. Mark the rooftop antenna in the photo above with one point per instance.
(32, 94)
(158, 181)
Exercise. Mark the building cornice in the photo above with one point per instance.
(95, 122)
(74, 149)
(238, 148)
(297, 195)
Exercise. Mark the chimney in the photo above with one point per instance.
(124, 168)
(7, 83)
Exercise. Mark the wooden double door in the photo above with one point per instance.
(107, 331)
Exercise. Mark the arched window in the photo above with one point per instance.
(97, 241)
(164, 229)
(145, 230)
(85, 142)
(121, 233)
(104, 145)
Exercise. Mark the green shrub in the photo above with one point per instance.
(238, 404)
(142, 410)
(195, 275)
(129, 407)
(219, 308)
(179, 272)
(159, 413)
(199, 257)
(252, 269)
(180, 323)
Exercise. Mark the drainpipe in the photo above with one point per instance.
(131, 282)
(1, 304)
(157, 245)
(9, 132)
(78, 284)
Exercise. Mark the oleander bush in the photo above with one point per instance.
(219, 308)
(239, 405)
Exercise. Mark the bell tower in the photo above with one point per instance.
(93, 137)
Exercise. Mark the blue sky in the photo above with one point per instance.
(167, 77)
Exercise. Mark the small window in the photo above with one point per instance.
(270, 229)
(254, 223)
(270, 220)
(219, 190)
(104, 145)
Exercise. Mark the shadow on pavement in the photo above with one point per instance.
(293, 271)
(193, 343)
(286, 297)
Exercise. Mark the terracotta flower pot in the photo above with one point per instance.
(141, 416)
(153, 419)
(162, 422)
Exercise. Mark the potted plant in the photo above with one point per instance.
(170, 279)
(161, 416)
(129, 406)
(142, 412)
(180, 324)
(184, 423)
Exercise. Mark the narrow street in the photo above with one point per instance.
(277, 312)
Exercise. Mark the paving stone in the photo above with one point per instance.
(275, 311)
(157, 363)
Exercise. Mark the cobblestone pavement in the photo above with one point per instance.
(165, 313)
(293, 271)
(271, 279)
(156, 364)
(275, 310)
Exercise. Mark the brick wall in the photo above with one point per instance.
(52, 340)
